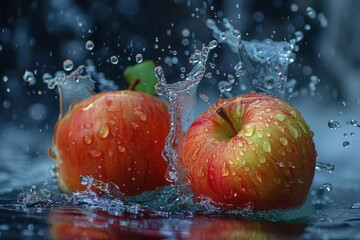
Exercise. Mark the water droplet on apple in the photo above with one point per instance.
(121, 149)
(259, 135)
(134, 125)
(259, 176)
(262, 159)
(283, 141)
(266, 146)
(225, 170)
(142, 116)
(88, 139)
(95, 153)
(246, 168)
(88, 125)
(293, 132)
(103, 131)
(280, 117)
(241, 153)
(200, 172)
(281, 129)
(249, 130)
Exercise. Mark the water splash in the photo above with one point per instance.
(182, 98)
(263, 63)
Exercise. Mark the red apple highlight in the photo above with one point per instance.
(116, 137)
(252, 151)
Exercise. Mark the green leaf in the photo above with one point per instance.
(143, 71)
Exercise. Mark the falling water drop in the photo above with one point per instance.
(334, 124)
(346, 144)
(139, 58)
(68, 65)
(89, 45)
(114, 60)
(310, 12)
(213, 44)
(29, 77)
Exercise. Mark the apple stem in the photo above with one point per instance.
(134, 84)
(224, 116)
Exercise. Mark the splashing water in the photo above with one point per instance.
(182, 98)
(263, 63)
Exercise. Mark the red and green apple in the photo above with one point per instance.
(253, 151)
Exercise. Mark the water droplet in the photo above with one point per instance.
(346, 144)
(222, 36)
(224, 86)
(201, 172)
(29, 77)
(134, 125)
(236, 34)
(95, 153)
(310, 12)
(293, 132)
(46, 77)
(103, 131)
(283, 141)
(89, 45)
(114, 60)
(225, 170)
(326, 186)
(141, 115)
(68, 65)
(88, 139)
(298, 36)
(262, 159)
(139, 58)
(353, 122)
(121, 149)
(208, 75)
(249, 130)
(266, 146)
(88, 125)
(213, 44)
(328, 167)
(334, 124)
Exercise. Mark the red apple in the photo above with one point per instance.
(252, 151)
(116, 137)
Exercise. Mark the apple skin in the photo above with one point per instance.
(115, 136)
(268, 164)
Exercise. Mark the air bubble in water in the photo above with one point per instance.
(29, 77)
(89, 45)
(294, 7)
(346, 144)
(334, 124)
(68, 65)
(323, 20)
(310, 12)
(114, 60)
(5, 78)
(139, 58)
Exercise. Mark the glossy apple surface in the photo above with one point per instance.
(267, 162)
(115, 137)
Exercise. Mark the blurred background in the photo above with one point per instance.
(39, 35)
